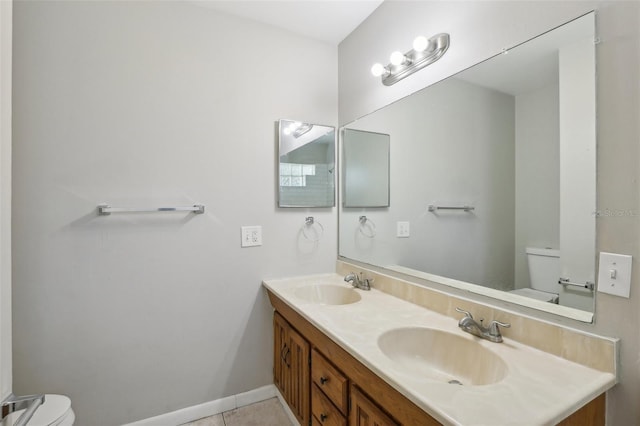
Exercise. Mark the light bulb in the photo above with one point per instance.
(420, 43)
(397, 58)
(377, 70)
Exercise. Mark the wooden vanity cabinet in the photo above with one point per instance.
(324, 385)
(291, 368)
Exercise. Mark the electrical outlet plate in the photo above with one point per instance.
(402, 230)
(251, 236)
(614, 274)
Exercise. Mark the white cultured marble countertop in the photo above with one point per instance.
(539, 389)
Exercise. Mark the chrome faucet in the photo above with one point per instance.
(491, 333)
(16, 403)
(358, 280)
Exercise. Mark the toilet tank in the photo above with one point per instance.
(544, 268)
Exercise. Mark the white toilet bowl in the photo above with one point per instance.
(56, 411)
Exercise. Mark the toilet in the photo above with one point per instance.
(544, 271)
(56, 411)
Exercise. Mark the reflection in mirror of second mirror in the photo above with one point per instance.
(365, 169)
(514, 138)
(306, 154)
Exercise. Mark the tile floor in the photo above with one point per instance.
(264, 413)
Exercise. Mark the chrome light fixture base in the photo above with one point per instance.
(416, 60)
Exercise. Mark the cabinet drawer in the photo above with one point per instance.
(325, 413)
(331, 381)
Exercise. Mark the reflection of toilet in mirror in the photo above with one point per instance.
(544, 270)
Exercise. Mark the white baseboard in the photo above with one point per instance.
(211, 408)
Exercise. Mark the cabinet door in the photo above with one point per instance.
(365, 412)
(280, 347)
(291, 372)
(297, 360)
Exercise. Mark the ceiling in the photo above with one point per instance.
(329, 21)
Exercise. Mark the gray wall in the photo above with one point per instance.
(443, 152)
(143, 104)
(482, 29)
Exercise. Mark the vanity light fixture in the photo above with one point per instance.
(425, 52)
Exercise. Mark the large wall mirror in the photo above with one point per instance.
(494, 171)
(306, 165)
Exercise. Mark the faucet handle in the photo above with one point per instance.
(494, 330)
(351, 277)
(466, 313)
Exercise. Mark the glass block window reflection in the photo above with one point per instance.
(295, 174)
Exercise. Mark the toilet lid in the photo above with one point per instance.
(536, 294)
(54, 407)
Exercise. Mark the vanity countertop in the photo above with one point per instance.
(539, 388)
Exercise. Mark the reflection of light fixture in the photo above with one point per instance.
(297, 129)
(425, 52)
(304, 128)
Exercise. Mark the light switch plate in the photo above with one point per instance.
(614, 274)
(251, 236)
(402, 230)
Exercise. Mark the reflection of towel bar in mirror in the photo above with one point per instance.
(104, 209)
(434, 208)
(567, 281)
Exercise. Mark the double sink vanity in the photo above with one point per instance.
(396, 355)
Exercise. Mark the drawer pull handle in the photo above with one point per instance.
(323, 380)
(323, 417)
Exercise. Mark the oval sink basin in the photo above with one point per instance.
(442, 356)
(327, 294)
